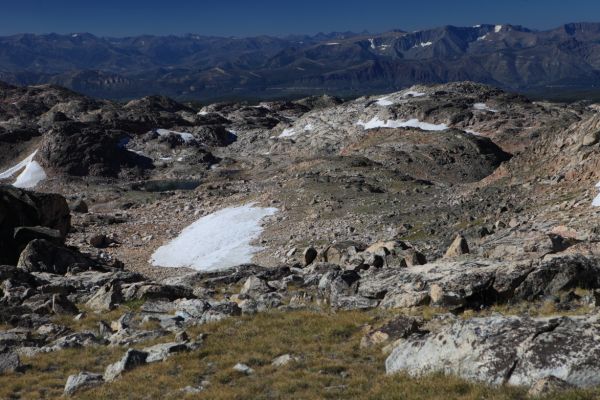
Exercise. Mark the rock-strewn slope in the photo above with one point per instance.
(458, 198)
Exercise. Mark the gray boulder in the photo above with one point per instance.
(22, 208)
(131, 360)
(284, 360)
(155, 291)
(243, 368)
(192, 308)
(41, 255)
(547, 386)
(74, 340)
(458, 247)
(82, 381)
(9, 362)
(161, 351)
(79, 206)
(254, 287)
(62, 305)
(506, 350)
(106, 298)
(398, 328)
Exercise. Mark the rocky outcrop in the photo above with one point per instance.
(78, 149)
(462, 284)
(25, 216)
(458, 247)
(43, 256)
(9, 362)
(107, 298)
(506, 350)
(129, 361)
(82, 381)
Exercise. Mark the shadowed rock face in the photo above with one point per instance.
(20, 208)
(87, 150)
(513, 350)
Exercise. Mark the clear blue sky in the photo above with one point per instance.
(279, 17)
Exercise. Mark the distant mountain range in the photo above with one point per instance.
(209, 68)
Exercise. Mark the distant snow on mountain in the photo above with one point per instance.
(203, 67)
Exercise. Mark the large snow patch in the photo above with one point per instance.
(32, 173)
(217, 241)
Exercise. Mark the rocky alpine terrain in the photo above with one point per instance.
(439, 240)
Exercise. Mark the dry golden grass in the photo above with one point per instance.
(45, 374)
(332, 366)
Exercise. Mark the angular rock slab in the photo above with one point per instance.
(513, 350)
(81, 381)
(160, 352)
(9, 362)
(131, 360)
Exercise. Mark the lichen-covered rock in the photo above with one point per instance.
(9, 362)
(474, 282)
(129, 361)
(161, 351)
(82, 381)
(397, 328)
(458, 247)
(254, 287)
(106, 298)
(512, 350)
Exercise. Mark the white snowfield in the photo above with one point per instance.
(384, 102)
(472, 132)
(32, 173)
(31, 176)
(287, 132)
(217, 241)
(484, 107)
(596, 201)
(413, 93)
(186, 136)
(376, 122)
(387, 101)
